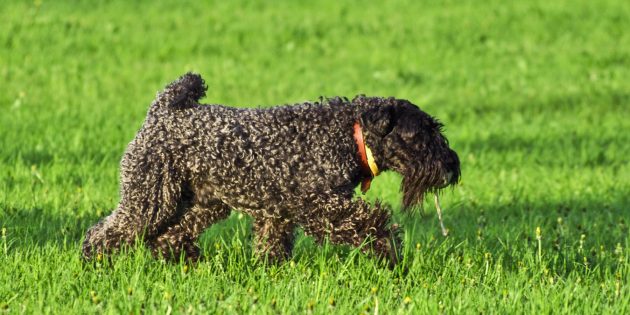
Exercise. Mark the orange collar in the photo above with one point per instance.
(369, 169)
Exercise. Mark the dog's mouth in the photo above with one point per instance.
(446, 180)
(417, 184)
(451, 178)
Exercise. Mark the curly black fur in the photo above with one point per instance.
(286, 166)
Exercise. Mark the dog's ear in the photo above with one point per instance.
(378, 120)
(411, 122)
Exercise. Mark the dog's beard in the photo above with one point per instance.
(416, 183)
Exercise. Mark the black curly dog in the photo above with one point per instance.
(286, 166)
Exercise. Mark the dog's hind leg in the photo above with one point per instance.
(353, 222)
(180, 236)
(153, 172)
(151, 191)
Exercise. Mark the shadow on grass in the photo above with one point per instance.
(606, 101)
(603, 221)
(38, 227)
(506, 230)
(572, 233)
(569, 148)
(30, 156)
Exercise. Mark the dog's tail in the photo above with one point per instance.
(182, 93)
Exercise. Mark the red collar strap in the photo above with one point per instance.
(366, 172)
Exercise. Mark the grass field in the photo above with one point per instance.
(535, 97)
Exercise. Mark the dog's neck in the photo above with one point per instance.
(369, 169)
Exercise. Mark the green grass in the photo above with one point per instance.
(535, 97)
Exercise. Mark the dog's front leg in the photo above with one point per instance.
(346, 221)
(273, 238)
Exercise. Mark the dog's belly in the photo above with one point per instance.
(253, 193)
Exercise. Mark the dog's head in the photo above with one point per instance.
(410, 142)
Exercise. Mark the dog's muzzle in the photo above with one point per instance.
(452, 174)
(449, 178)
(446, 180)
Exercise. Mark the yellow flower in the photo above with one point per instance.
(167, 295)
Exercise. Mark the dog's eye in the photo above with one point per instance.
(410, 136)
